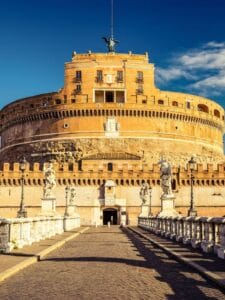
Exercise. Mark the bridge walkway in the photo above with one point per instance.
(108, 263)
(208, 264)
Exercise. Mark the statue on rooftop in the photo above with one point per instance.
(111, 43)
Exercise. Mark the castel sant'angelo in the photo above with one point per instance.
(106, 131)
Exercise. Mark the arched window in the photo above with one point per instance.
(58, 101)
(160, 102)
(203, 108)
(216, 113)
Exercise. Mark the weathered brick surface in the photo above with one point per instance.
(108, 263)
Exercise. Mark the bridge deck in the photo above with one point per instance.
(108, 263)
(207, 264)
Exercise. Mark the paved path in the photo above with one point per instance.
(207, 264)
(21, 258)
(108, 263)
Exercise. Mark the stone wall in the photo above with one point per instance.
(209, 201)
(89, 183)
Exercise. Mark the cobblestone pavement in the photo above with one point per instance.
(108, 263)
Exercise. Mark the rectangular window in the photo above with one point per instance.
(110, 167)
(78, 76)
(99, 96)
(188, 104)
(140, 77)
(109, 96)
(140, 89)
(99, 77)
(120, 97)
(119, 76)
(78, 89)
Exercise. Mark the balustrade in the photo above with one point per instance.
(208, 234)
(16, 233)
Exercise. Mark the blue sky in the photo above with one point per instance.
(185, 40)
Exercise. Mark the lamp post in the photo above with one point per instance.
(192, 212)
(22, 213)
(67, 189)
(150, 200)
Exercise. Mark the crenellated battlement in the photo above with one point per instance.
(210, 169)
(122, 174)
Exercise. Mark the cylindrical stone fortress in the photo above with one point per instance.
(109, 104)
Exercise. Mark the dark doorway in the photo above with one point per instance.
(110, 215)
(174, 185)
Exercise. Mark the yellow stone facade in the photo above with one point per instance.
(119, 88)
(110, 121)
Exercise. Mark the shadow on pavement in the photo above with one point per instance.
(19, 254)
(178, 276)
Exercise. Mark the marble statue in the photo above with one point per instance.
(72, 196)
(166, 177)
(50, 181)
(144, 191)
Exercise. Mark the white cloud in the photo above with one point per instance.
(171, 74)
(214, 44)
(202, 68)
(205, 59)
(213, 82)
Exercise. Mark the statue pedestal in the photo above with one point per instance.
(144, 210)
(70, 210)
(71, 222)
(167, 206)
(48, 206)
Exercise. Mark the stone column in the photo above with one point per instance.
(4, 236)
(221, 249)
(207, 243)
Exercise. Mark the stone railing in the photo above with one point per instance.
(205, 233)
(16, 233)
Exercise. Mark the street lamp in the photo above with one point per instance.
(22, 213)
(150, 200)
(192, 212)
(67, 189)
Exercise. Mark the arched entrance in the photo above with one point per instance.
(110, 215)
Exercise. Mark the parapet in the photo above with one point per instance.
(61, 168)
